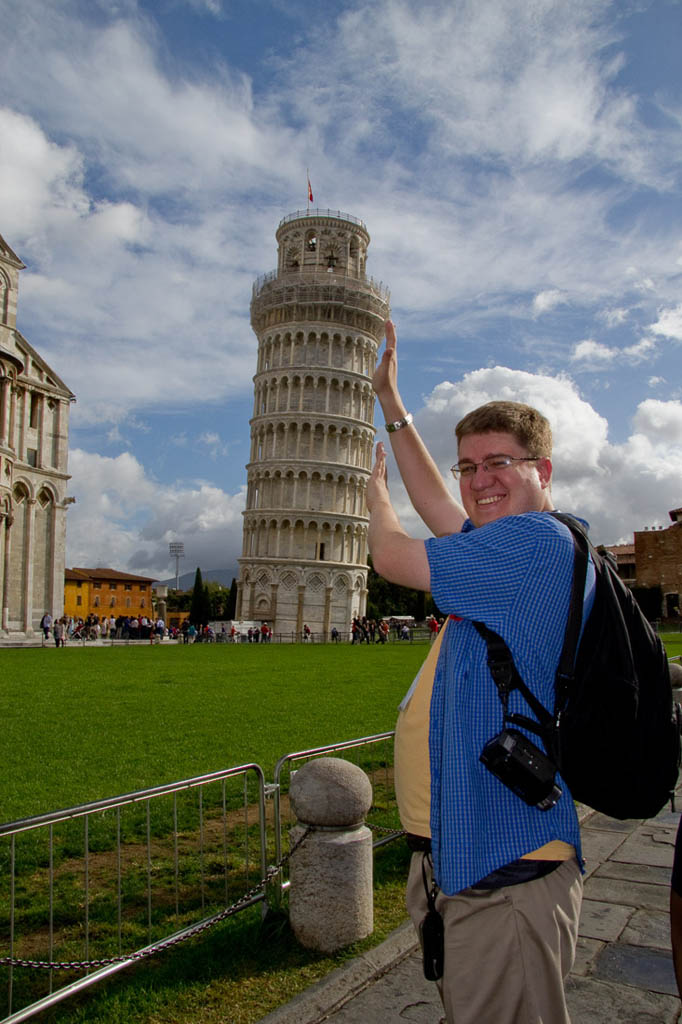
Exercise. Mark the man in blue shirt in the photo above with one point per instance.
(505, 876)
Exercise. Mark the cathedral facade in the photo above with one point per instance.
(34, 427)
(319, 320)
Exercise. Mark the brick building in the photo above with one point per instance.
(655, 560)
(658, 561)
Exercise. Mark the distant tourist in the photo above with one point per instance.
(45, 624)
(58, 631)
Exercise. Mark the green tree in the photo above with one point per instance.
(385, 599)
(217, 600)
(231, 610)
(178, 600)
(200, 605)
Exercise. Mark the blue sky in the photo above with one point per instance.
(517, 163)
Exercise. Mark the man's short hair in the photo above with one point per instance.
(530, 428)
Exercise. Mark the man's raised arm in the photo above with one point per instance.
(425, 486)
(395, 555)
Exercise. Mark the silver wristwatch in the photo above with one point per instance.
(399, 424)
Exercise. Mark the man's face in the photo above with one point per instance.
(520, 487)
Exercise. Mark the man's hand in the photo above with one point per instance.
(385, 380)
(425, 486)
(395, 555)
(377, 485)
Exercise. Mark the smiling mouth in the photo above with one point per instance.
(491, 500)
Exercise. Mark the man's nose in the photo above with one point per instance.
(481, 476)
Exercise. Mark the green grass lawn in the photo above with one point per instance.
(673, 643)
(83, 724)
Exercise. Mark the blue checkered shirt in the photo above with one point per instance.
(515, 576)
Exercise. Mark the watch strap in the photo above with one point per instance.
(399, 424)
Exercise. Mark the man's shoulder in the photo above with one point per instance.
(538, 525)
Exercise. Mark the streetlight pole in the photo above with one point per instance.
(177, 551)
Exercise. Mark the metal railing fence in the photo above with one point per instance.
(85, 884)
(417, 635)
(81, 887)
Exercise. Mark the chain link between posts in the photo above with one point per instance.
(143, 954)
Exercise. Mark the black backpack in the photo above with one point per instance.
(614, 733)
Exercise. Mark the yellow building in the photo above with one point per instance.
(106, 592)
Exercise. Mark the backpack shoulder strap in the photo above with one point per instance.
(581, 549)
(506, 678)
(501, 663)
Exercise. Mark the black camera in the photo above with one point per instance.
(523, 768)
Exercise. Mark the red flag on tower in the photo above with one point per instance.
(310, 191)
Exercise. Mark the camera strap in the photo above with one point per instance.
(431, 929)
(432, 892)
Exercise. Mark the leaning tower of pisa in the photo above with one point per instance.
(319, 320)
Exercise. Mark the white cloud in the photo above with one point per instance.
(669, 323)
(123, 519)
(595, 355)
(660, 421)
(614, 317)
(39, 180)
(494, 150)
(618, 488)
(214, 444)
(547, 300)
(196, 176)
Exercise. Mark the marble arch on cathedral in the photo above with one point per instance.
(34, 427)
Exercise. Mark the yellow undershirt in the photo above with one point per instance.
(412, 770)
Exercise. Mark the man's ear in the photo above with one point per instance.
(544, 468)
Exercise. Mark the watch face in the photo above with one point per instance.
(398, 424)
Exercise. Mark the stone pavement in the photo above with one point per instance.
(623, 972)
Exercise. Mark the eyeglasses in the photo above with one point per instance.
(467, 470)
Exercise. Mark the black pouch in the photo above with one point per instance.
(431, 934)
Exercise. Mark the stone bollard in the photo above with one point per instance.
(331, 892)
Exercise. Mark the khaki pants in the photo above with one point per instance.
(507, 951)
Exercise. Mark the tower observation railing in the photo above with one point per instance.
(337, 214)
(307, 278)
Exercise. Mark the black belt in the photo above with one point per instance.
(418, 844)
(514, 873)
